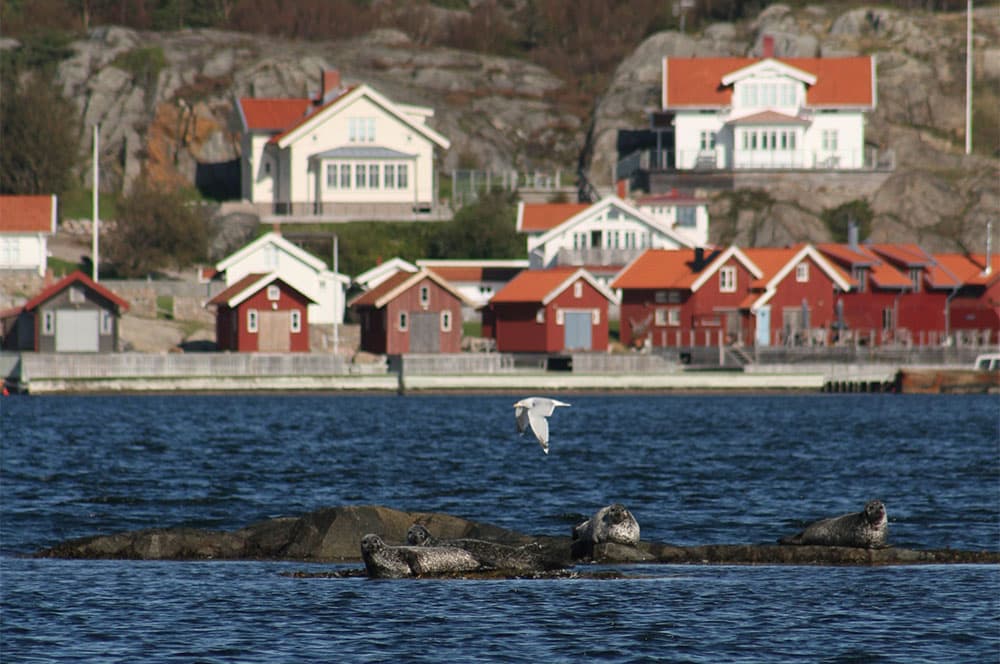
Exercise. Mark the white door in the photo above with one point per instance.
(77, 331)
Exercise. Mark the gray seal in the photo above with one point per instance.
(868, 529)
(491, 555)
(383, 561)
(611, 524)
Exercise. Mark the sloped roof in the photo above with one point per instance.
(475, 270)
(541, 286)
(697, 82)
(28, 214)
(375, 275)
(777, 262)
(967, 268)
(77, 277)
(249, 285)
(594, 209)
(400, 282)
(908, 255)
(665, 269)
(273, 115)
(881, 273)
(541, 217)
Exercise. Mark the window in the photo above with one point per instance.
(829, 138)
(727, 280)
(331, 176)
(271, 257)
(578, 289)
(296, 320)
(360, 176)
(390, 176)
(660, 317)
(76, 295)
(686, 217)
(425, 296)
(373, 176)
(252, 321)
(673, 316)
(595, 316)
(345, 176)
(802, 272)
(915, 278)
(49, 323)
(707, 140)
(361, 130)
(887, 318)
(860, 275)
(401, 174)
(446, 321)
(402, 321)
(540, 315)
(10, 251)
(106, 322)
(267, 168)
(273, 293)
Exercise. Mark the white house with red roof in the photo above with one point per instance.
(348, 153)
(769, 112)
(26, 222)
(601, 237)
(685, 214)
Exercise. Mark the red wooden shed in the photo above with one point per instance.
(261, 313)
(550, 311)
(411, 312)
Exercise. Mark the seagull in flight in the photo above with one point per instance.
(534, 412)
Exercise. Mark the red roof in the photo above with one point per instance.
(540, 217)
(369, 298)
(909, 255)
(237, 287)
(697, 82)
(273, 114)
(662, 269)
(968, 268)
(534, 285)
(27, 214)
(76, 277)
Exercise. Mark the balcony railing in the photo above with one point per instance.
(327, 212)
(597, 256)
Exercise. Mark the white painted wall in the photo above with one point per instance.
(24, 252)
(697, 235)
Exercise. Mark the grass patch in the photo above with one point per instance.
(165, 307)
(472, 328)
(79, 204)
(61, 268)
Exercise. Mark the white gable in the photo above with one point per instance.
(769, 68)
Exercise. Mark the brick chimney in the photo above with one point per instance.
(331, 82)
(621, 188)
(768, 46)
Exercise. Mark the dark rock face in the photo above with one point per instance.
(334, 534)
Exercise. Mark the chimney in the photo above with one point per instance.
(852, 234)
(768, 46)
(331, 82)
(988, 268)
(699, 258)
(622, 189)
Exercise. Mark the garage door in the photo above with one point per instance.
(577, 324)
(274, 332)
(425, 332)
(77, 331)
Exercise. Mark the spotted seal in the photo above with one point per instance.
(383, 561)
(868, 529)
(613, 523)
(491, 555)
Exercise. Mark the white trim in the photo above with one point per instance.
(720, 260)
(280, 243)
(602, 205)
(768, 65)
(253, 321)
(586, 276)
(808, 251)
(416, 278)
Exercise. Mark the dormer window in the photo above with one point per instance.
(802, 272)
(273, 293)
(916, 278)
(860, 274)
(727, 280)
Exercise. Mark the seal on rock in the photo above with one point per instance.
(491, 555)
(613, 523)
(868, 529)
(383, 561)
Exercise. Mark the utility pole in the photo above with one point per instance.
(96, 222)
(968, 78)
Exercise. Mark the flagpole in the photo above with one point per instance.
(96, 223)
(968, 78)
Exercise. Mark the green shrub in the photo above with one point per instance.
(144, 64)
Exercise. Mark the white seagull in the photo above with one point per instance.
(533, 411)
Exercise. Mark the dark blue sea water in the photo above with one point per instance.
(693, 469)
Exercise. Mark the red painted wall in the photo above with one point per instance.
(383, 335)
(517, 331)
(289, 299)
(818, 293)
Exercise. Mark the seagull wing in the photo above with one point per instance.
(521, 413)
(540, 426)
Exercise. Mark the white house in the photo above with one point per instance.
(296, 267)
(372, 277)
(684, 214)
(476, 279)
(768, 112)
(349, 151)
(26, 222)
(602, 236)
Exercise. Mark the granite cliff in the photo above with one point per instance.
(174, 115)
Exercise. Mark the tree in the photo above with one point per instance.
(839, 219)
(485, 229)
(39, 136)
(156, 228)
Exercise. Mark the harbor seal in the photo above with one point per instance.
(383, 561)
(611, 524)
(491, 555)
(868, 529)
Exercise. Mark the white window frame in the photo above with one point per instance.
(674, 316)
(425, 296)
(560, 317)
(296, 320)
(802, 272)
(595, 316)
(389, 176)
(360, 176)
(76, 295)
(540, 315)
(48, 323)
(578, 289)
(374, 176)
(727, 279)
(446, 320)
(402, 177)
(331, 176)
(273, 292)
(252, 321)
(106, 319)
(402, 323)
(345, 176)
